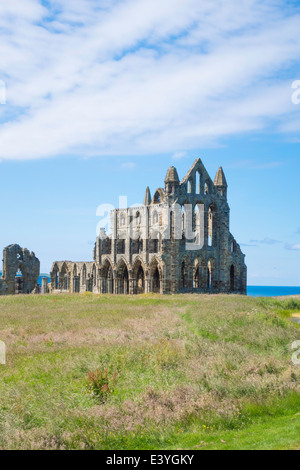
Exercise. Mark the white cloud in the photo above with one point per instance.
(292, 247)
(133, 77)
(179, 155)
(266, 241)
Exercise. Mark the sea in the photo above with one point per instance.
(272, 291)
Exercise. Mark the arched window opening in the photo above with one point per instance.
(94, 275)
(123, 279)
(121, 246)
(198, 182)
(125, 282)
(232, 278)
(108, 279)
(156, 281)
(19, 282)
(172, 228)
(210, 227)
(140, 280)
(183, 275)
(66, 282)
(138, 218)
(56, 277)
(140, 245)
(157, 197)
(110, 284)
(209, 276)
(122, 220)
(189, 186)
(155, 245)
(74, 270)
(196, 220)
(84, 275)
(206, 188)
(155, 217)
(196, 282)
(137, 246)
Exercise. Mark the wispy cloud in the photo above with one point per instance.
(253, 165)
(292, 247)
(179, 155)
(128, 165)
(95, 77)
(247, 244)
(266, 241)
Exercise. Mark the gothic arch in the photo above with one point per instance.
(198, 273)
(108, 277)
(155, 275)
(211, 269)
(55, 277)
(139, 275)
(159, 196)
(185, 274)
(233, 277)
(123, 277)
(76, 279)
(198, 182)
(64, 277)
(83, 275)
(155, 217)
(213, 220)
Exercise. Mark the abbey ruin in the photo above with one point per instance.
(177, 241)
(21, 271)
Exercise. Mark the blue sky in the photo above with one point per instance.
(103, 96)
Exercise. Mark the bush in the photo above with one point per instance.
(100, 385)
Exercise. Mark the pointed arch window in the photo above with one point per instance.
(198, 182)
(138, 218)
(155, 217)
(122, 220)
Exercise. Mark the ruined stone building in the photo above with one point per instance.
(21, 270)
(177, 241)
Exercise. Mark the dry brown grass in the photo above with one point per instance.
(182, 362)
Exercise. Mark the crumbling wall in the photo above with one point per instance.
(21, 270)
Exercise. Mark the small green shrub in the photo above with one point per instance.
(100, 385)
(293, 304)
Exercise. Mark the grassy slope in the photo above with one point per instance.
(193, 372)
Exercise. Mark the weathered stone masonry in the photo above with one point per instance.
(21, 270)
(139, 256)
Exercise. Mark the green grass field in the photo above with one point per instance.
(193, 372)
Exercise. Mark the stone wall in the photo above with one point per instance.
(21, 271)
